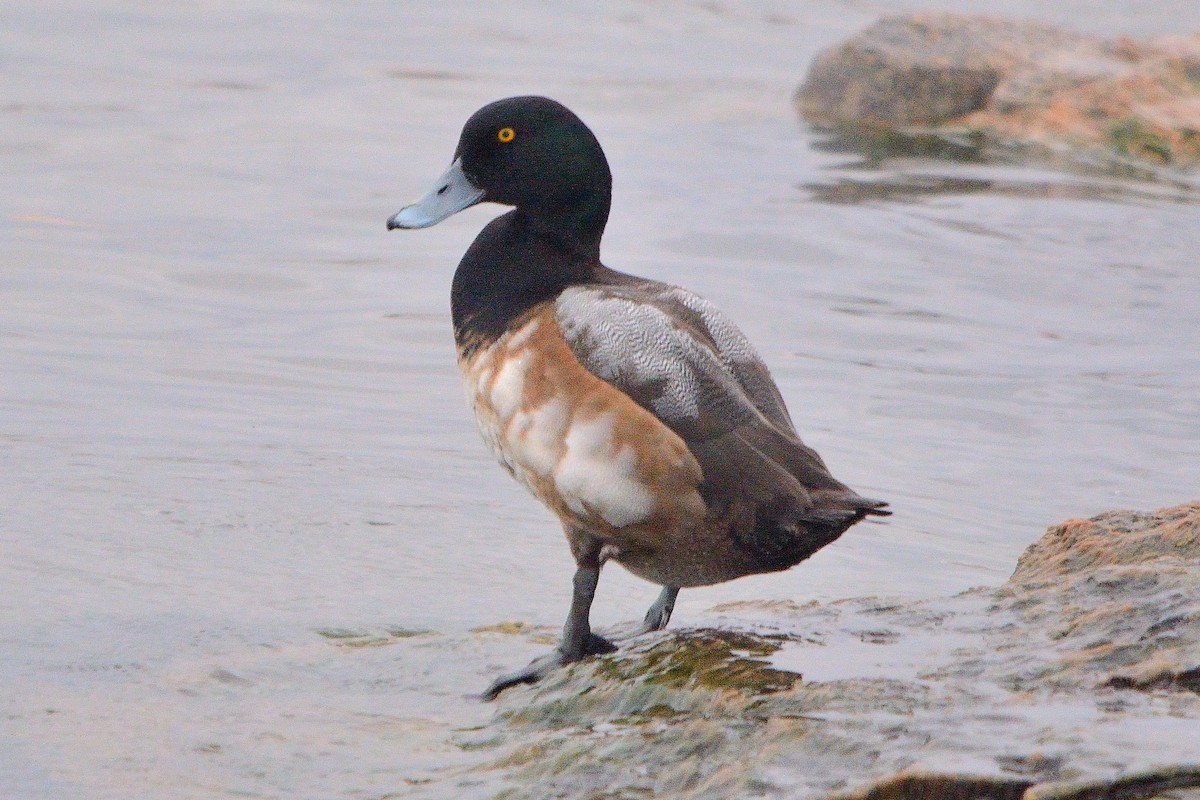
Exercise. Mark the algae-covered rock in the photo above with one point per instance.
(1012, 82)
(706, 659)
(1078, 678)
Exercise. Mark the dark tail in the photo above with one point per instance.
(783, 537)
(845, 509)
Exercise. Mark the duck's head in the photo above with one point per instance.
(528, 152)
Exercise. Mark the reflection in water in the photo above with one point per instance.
(903, 189)
(914, 187)
(902, 168)
(875, 147)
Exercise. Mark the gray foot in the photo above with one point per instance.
(592, 645)
(578, 641)
(659, 613)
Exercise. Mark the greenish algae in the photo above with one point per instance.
(350, 637)
(508, 628)
(1133, 137)
(711, 659)
(341, 633)
(407, 633)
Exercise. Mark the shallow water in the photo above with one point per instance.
(229, 413)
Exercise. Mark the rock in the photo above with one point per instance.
(1013, 82)
(1078, 678)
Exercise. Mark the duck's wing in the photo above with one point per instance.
(731, 346)
(678, 357)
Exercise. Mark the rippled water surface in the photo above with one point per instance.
(246, 524)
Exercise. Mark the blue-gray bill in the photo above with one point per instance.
(450, 194)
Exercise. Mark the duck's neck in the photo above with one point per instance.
(517, 262)
(572, 204)
(578, 226)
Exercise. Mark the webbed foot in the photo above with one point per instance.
(659, 614)
(590, 645)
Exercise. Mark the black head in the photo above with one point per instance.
(534, 153)
(529, 152)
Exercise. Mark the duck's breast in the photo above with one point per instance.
(582, 446)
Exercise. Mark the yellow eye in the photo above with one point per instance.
(506, 135)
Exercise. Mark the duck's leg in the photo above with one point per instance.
(578, 641)
(660, 611)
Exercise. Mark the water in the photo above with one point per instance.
(230, 417)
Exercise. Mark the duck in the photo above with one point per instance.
(635, 410)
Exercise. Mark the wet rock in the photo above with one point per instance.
(1012, 82)
(1075, 679)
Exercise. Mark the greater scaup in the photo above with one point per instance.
(636, 411)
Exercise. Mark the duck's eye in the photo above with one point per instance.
(506, 135)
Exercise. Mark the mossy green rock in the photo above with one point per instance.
(704, 659)
(1075, 679)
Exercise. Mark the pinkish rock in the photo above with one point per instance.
(1015, 82)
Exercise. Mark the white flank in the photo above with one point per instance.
(508, 388)
(535, 438)
(594, 475)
